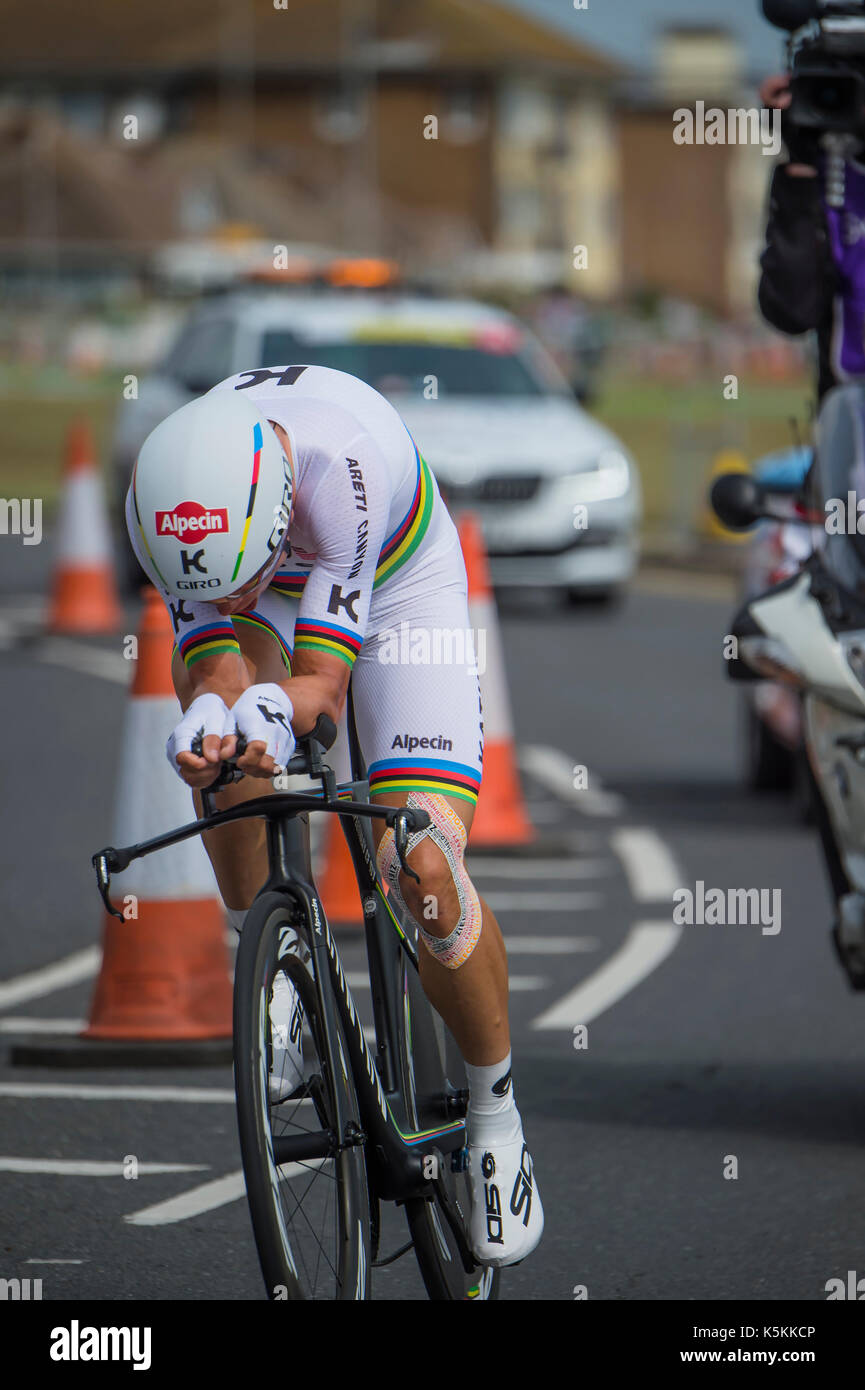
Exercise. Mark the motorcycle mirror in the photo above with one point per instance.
(738, 500)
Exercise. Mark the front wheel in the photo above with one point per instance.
(306, 1185)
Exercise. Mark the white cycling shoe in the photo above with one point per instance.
(507, 1219)
(286, 1026)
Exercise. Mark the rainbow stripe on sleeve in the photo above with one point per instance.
(446, 778)
(289, 583)
(310, 634)
(402, 543)
(215, 640)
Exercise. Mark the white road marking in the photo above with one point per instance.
(42, 1025)
(209, 1196)
(646, 946)
(50, 1090)
(544, 812)
(93, 661)
(55, 1262)
(649, 866)
(193, 1203)
(91, 1168)
(543, 902)
(479, 866)
(21, 615)
(524, 984)
(555, 771)
(82, 965)
(550, 945)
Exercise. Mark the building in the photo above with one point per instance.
(446, 132)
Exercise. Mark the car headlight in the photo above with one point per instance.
(608, 477)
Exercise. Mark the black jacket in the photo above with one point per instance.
(799, 280)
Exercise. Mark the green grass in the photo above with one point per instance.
(36, 410)
(674, 430)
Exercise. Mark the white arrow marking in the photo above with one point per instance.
(649, 866)
(555, 771)
(645, 947)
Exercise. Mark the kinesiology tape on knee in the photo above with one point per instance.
(448, 833)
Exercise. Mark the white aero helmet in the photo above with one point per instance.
(211, 497)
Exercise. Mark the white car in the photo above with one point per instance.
(557, 494)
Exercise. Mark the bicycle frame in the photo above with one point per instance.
(395, 1153)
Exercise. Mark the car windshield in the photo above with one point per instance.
(411, 368)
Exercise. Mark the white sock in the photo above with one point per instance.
(236, 916)
(492, 1114)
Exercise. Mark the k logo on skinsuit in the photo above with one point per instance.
(347, 601)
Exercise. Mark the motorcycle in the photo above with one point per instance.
(808, 632)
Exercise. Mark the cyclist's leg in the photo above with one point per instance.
(419, 724)
(434, 707)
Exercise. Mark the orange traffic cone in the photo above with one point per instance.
(84, 596)
(164, 969)
(501, 817)
(337, 883)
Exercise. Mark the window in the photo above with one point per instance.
(404, 368)
(203, 355)
(340, 115)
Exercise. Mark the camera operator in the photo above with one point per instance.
(800, 281)
(813, 266)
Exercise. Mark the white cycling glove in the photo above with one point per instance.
(263, 714)
(208, 714)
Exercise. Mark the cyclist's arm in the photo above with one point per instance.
(347, 523)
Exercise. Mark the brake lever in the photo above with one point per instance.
(401, 837)
(103, 862)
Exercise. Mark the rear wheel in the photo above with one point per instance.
(431, 1060)
(306, 1184)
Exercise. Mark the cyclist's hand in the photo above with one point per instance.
(206, 716)
(263, 715)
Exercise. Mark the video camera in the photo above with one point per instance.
(827, 63)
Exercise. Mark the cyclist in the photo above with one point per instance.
(299, 539)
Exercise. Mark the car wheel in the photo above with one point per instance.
(610, 598)
(769, 765)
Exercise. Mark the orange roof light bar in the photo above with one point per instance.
(365, 273)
